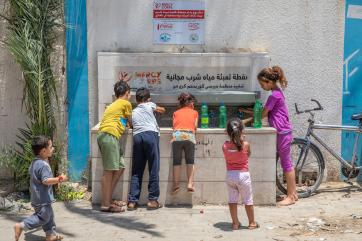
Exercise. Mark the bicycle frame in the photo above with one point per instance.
(313, 126)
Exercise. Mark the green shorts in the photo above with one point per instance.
(112, 154)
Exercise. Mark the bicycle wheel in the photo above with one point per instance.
(309, 176)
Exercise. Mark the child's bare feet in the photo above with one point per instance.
(54, 237)
(236, 226)
(175, 190)
(190, 188)
(289, 200)
(18, 229)
(296, 198)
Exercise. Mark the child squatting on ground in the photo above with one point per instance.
(236, 153)
(41, 191)
(145, 149)
(113, 124)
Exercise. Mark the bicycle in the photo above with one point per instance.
(308, 159)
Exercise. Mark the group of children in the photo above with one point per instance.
(119, 115)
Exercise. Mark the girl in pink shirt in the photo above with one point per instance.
(236, 153)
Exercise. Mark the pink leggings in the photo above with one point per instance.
(284, 142)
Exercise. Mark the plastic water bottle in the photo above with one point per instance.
(258, 109)
(204, 116)
(240, 114)
(212, 119)
(222, 116)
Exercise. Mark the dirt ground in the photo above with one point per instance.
(334, 213)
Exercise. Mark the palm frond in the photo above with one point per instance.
(32, 32)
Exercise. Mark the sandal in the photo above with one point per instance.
(112, 209)
(132, 206)
(251, 227)
(53, 237)
(119, 203)
(175, 190)
(153, 205)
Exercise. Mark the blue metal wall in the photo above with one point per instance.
(352, 80)
(77, 87)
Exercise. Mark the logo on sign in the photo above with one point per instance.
(165, 37)
(194, 37)
(164, 26)
(193, 26)
(167, 6)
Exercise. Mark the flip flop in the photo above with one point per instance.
(154, 207)
(176, 190)
(112, 209)
(254, 226)
(131, 206)
(119, 203)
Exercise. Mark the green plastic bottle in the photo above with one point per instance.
(204, 116)
(222, 116)
(258, 109)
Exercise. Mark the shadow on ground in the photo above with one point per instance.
(347, 190)
(29, 235)
(116, 219)
(225, 226)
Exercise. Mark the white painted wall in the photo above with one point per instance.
(304, 37)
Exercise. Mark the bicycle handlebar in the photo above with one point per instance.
(308, 110)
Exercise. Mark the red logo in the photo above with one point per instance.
(193, 26)
(164, 26)
(165, 6)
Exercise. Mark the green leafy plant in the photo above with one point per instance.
(66, 192)
(32, 31)
(11, 160)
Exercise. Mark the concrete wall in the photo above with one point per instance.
(12, 115)
(304, 37)
(209, 165)
(11, 89)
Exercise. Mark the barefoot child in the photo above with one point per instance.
(183, 140)
(41, 191)
(276, 111)
(236, 153)
(111, 128)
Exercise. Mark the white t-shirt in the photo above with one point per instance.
(143, 118)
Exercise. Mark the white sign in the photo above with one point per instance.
(178, 22)
(354, 11)
(160, 79)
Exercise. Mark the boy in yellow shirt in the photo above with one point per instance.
(111, 128)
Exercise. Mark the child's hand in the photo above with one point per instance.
(63, 178)
(246, 121)
(160, 109)
(246, 110)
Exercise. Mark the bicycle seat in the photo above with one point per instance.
(357, 116)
